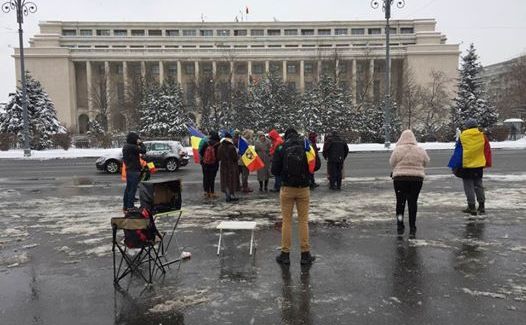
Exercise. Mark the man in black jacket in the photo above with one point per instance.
(335, 151)
(290, 162)
(131, 154)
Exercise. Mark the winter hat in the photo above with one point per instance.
(470, 123)
(214, 136)
(227, 135)
(290, 132)
(132, 138)
(261, 134)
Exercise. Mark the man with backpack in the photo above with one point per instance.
(335, 151)
(290, 163)
(209, 164)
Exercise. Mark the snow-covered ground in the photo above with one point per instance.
(83, 153)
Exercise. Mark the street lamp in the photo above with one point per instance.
(386, 7)
(23, 8)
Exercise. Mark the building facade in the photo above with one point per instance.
(505, 83)
(89, 67)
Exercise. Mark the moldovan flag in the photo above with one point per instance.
(196, 139)
(249, 156)
(311, 156)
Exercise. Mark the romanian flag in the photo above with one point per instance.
(311, 156)
(471, 151)
(197, 140)
(249, 156)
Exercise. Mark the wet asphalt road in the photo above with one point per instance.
(55, 261)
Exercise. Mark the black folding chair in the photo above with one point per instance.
(147, 251)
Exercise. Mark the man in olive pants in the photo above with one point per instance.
(291, 164)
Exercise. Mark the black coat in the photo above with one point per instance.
(131, 154)
(336, 150)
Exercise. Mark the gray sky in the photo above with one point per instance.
(496, 27)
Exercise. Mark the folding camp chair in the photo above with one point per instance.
(147, 251)
(168, 237)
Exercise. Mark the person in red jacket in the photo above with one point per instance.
(277, 142)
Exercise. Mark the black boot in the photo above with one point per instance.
(260, 186)
(412, 233)
(307, 258)
(481, 209)
(471, 209)
(283, 258)
(266, 186)
(400, 224)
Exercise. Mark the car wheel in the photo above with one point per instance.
(112, 167)
(172, 165)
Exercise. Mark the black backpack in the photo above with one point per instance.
(295, 169)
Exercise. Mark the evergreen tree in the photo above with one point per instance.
(471, 97)
(371, 118)
(162, 111)
(42, 116)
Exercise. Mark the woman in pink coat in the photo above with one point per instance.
(408, 161)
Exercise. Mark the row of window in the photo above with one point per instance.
(233, 46)
(235, 32)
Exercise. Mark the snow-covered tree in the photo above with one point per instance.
(371, 118)
(162, 111)
(328, 107)
(471, 97)
(42, 116)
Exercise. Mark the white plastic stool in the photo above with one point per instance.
(236, 225)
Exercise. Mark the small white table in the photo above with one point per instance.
(236, 225)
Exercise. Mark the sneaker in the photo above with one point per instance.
(283, 258)
(307, 258)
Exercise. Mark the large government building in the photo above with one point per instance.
(75, 61)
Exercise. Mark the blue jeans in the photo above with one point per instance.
(277, 183)
(132, 181)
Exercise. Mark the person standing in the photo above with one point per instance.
(277, 142)
(291, 164)
(228, 169)
(210, 164)
(472, 154)
(408, 161)
(247, 135)
(335, 151)
(313, 137)
(262, 147)
(131, 155)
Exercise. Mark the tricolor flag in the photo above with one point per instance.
(311, 156)
(197, 140)
(472, 150)
(249, 156)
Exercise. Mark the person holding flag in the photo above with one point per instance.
(228, 168)
(197, 140)
(209, 163)
(294, 164)
(472, 154)
(131, 158)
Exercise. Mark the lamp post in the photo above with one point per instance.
(23, 8)
(386, 7)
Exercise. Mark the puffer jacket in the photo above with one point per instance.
(408, 158)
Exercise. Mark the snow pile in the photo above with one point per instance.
(476, 293)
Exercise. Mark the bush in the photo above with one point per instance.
(6, 141)
(62, 140)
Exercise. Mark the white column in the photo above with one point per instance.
(143, 70)
(337, 70)
(89, 77)
(214, 69)
(232, 73)
(249, 68)
(302, 76)
(196, 71)
(161, 72)
(179, 74)
(267, 67)
(318, 68)
(284, 71)
(370, 92)
(354, 78)
(107, 77)
(125, 81)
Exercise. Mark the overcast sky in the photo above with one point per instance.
(496, 27)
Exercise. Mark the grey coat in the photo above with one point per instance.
(263, 151)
